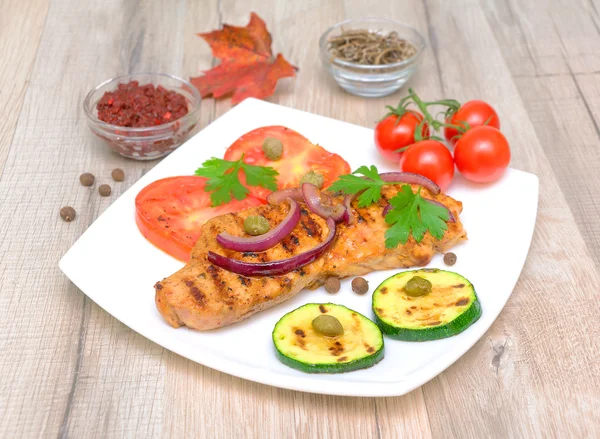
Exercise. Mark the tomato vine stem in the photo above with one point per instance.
(452, 105)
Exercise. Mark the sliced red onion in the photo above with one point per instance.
(267, 240)
(410, 178)
(314, 199)
(273, 268)
(386, 209)
(348, 217)
(282, 195)
(451, 218)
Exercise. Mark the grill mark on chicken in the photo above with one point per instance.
(245, 281)
(309, 225)
(203, 296)
(285, 247)
(218, 282)
(290, 243)
(366, 216)
(198, 296)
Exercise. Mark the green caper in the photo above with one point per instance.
(328, 326)
(273, 148)
(313, 177)
(417, 286)
(256, 225)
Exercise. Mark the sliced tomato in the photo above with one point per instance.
(299, 157)
(171, 211)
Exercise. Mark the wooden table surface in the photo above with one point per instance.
(69, 369)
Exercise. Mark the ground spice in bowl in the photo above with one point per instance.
(135, 105)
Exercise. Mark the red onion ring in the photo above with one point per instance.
(314, 200)
(267, 240)
(348, 217)
(280, 196)
(273, 268)
(451, 218)
(410, 178)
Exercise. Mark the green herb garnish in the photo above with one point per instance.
(223, 179)
(412, 213)
(353, 184)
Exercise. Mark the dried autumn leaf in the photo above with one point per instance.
(247, 67)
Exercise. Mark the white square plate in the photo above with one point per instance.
(499, 219)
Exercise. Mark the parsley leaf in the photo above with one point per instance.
(412, 213)
(224, 182)
(263, 176)
(370, 185)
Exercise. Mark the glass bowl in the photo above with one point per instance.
(147, 143)
(372, 80)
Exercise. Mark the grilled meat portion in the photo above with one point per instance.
(203, 296)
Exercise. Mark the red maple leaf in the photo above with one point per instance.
(248, 68)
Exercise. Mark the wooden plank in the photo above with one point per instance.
(71, 369)
(562, 99)
(25, 19)
(134, 371)
(562, 115)
(405, 416)
(513, 383)
(267, 411)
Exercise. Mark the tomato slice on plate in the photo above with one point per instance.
(171, 211)
(299, 157)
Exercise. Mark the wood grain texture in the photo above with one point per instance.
(24, 19)
(69, 369)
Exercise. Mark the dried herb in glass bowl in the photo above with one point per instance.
(367, 47)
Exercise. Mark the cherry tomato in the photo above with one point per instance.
(170, 213)
(475, 113)
(300, 156)
(431, 159)
(482, 154)
(392, 134)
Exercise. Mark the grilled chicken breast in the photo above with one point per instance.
(203, 296)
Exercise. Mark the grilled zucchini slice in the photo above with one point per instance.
(299, 346)
(450, 308)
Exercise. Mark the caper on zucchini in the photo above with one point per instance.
(417, 286)
(328, 326)
(450, 306)
(301, 345)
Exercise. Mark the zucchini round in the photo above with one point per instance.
(450, 308)
(299, 346)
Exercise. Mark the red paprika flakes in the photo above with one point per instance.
(134, 105)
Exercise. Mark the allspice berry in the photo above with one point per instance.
(118, 174)
(67, 213)
(360, 285)
(332, 285)
(86, 179)
(450, 258)
(104, 190)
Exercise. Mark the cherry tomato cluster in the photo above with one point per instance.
(406, 135)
